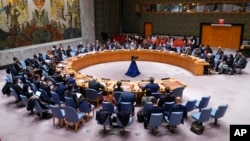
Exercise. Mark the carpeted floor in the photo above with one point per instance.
(17, 124)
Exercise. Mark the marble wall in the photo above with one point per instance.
(88, 36)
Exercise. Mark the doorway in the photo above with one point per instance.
(148, 29)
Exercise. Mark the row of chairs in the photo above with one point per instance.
(203, 115)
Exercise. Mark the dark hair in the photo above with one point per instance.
(70, 87)
(151, 79)
(154, 100)
(119, 83)
(8, 71)
(167, 89)
(148, 92)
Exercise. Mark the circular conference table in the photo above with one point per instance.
(76, 63)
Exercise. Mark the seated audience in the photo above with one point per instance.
(94, 84)
(70, 93)
(239, 64)
(118, 86)
(154, 87)
(226, 65)
(166, 97)
(154, 109)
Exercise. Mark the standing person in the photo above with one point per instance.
(154, 87)
(133, 70)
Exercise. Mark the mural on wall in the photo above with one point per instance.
(29, 22)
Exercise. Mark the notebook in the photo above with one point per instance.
(38, 93)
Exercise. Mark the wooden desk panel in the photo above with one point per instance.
(75, 64)
(189, 63)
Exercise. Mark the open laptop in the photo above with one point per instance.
(38, 93)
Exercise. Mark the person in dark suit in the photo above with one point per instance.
(127, 97)
(241, 63)
(58, 77)
(44, 85)
(166, 97)
(118, 86)
(71, 80)
(154, 87)
(154, 109)
(70, 93)
(178, 107)
(94, 84)
(17, 88)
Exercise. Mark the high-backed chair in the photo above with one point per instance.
(24, 100)
(56, 99)
(117, 95)
(127, 107)
(202, 103)
(13, 92)
(70, 102)
(178, 92)
(86, 108)
(189, 105)
(218, 112)
(176, 118)
(57, 112)
(72, 116)
(93, 96)
(123, 119)
(103, 117)
(156, 95)
(39, 109)
(167, 107)
(203, 115)
(147, 106)
(155, 121)
(108, 106)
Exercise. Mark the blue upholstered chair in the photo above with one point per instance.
(93, 96)
(70, 102)
(56, 99)
(202, 103)
(86, 108)
(203, 115)
(190, 105)
(155, 121)
(167, 106)
(24, 100)
(120, 124)
(147, 106)
(117, 95)
(176, 118)
(57, 112)
(219, 112)
(127, 107)
(39, 109)
(108, 106)
(178, 92)
(13, 92)
(156, 95)
(72, 116)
